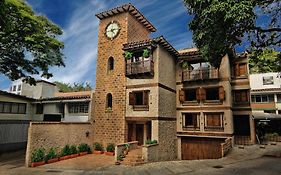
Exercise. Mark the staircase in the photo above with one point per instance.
(134, 157)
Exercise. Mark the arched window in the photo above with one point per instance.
(109, 100)
(110, 63)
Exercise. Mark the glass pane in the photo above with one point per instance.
(258, 98)
(271, 98)
(22, 108)
(7, 107)
(1, 107)
(279, 98)
(264, 98)
(15, 108)
(253, 98)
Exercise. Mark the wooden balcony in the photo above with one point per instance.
(200, 74)
(140, 68)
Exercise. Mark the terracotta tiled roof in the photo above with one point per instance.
(132, 10)
(70, 95)
(159, 40)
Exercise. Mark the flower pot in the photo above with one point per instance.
(98, 152)
(53, 160)
(74, 155)
(109, 153)
(35, 164)
(65, 157)
(83, 153)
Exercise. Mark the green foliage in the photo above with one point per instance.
(146, 53)
(184, 64)
(127, 146)
(66, 150)
(263, 61)
(28, 43)
(218, 26)
(83, 147)
(98, 146)
(150, 142)
(51, 154)
(128, 55)
(38, 155)
(76, 87)
(110, 147)
(73, 149)
(120, 157)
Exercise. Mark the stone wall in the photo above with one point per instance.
(56, 134)
(150, 153)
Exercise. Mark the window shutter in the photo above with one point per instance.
(203, 94)
(145, 97)
(131, 98)
(237, 70)
(198, 94)
(181, 96)
(221, 93)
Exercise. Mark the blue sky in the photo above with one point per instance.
(80, 26)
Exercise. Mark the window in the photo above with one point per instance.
(279, 111)
(190, 95)
(212, 94)
(190, 120)
(270, 111)
(279, 98)
(108, 101)
(12, 108)
(240, 69)
(110, 63)
(78, 107)
(214, 121)
(139, 100)
(19, 87)
(265, 98)
(14, 88)
(241, 96)
(39, 108)
(267, 80)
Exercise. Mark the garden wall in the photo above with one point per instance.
(57, 135)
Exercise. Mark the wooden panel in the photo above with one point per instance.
(131, 99)
(201, 148)
(181, 96)
(221, 93)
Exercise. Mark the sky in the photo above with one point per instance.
(80, 27)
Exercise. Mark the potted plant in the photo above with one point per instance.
(84, 149)
(65, 153)
(126, 150)
(110, 149)
(184, 64)
(52, 156)
(37, 157)
(146, 53)
(73, 151)
(150, 142)
(98, 148)
(128, 55)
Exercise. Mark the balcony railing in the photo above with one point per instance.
(140, 67)
(200, 74)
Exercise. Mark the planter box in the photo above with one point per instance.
(53, 160)
(83, 153)
(74, 155)
(65, 157)
(109, 153)
(98, 152)
(35, 164)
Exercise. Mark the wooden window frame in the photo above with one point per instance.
(142, 107)
(237, 68)
(191, 127)
(78, 107)
(214, 128)
(237, 96)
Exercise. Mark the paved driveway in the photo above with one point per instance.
(248, 161)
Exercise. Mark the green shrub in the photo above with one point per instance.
(38, 155)
(146, 53)
(65, 151)
(73, 149)
(98, 146)
(110, 147)
(83, 147)
(51, 154)
(150, 142)
(128, 55)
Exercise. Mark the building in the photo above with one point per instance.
(266, 92)
(191, 111)
(42, 89)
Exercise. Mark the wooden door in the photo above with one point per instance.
(130, 132)
(201, 148)
(139, 133)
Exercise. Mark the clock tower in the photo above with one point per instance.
(124, 24)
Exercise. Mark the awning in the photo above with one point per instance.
(265, 116)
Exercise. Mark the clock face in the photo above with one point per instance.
(112, 30)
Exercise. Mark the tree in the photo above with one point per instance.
(218, 26)
(28, 44)
(76, 87)
(262, 61)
